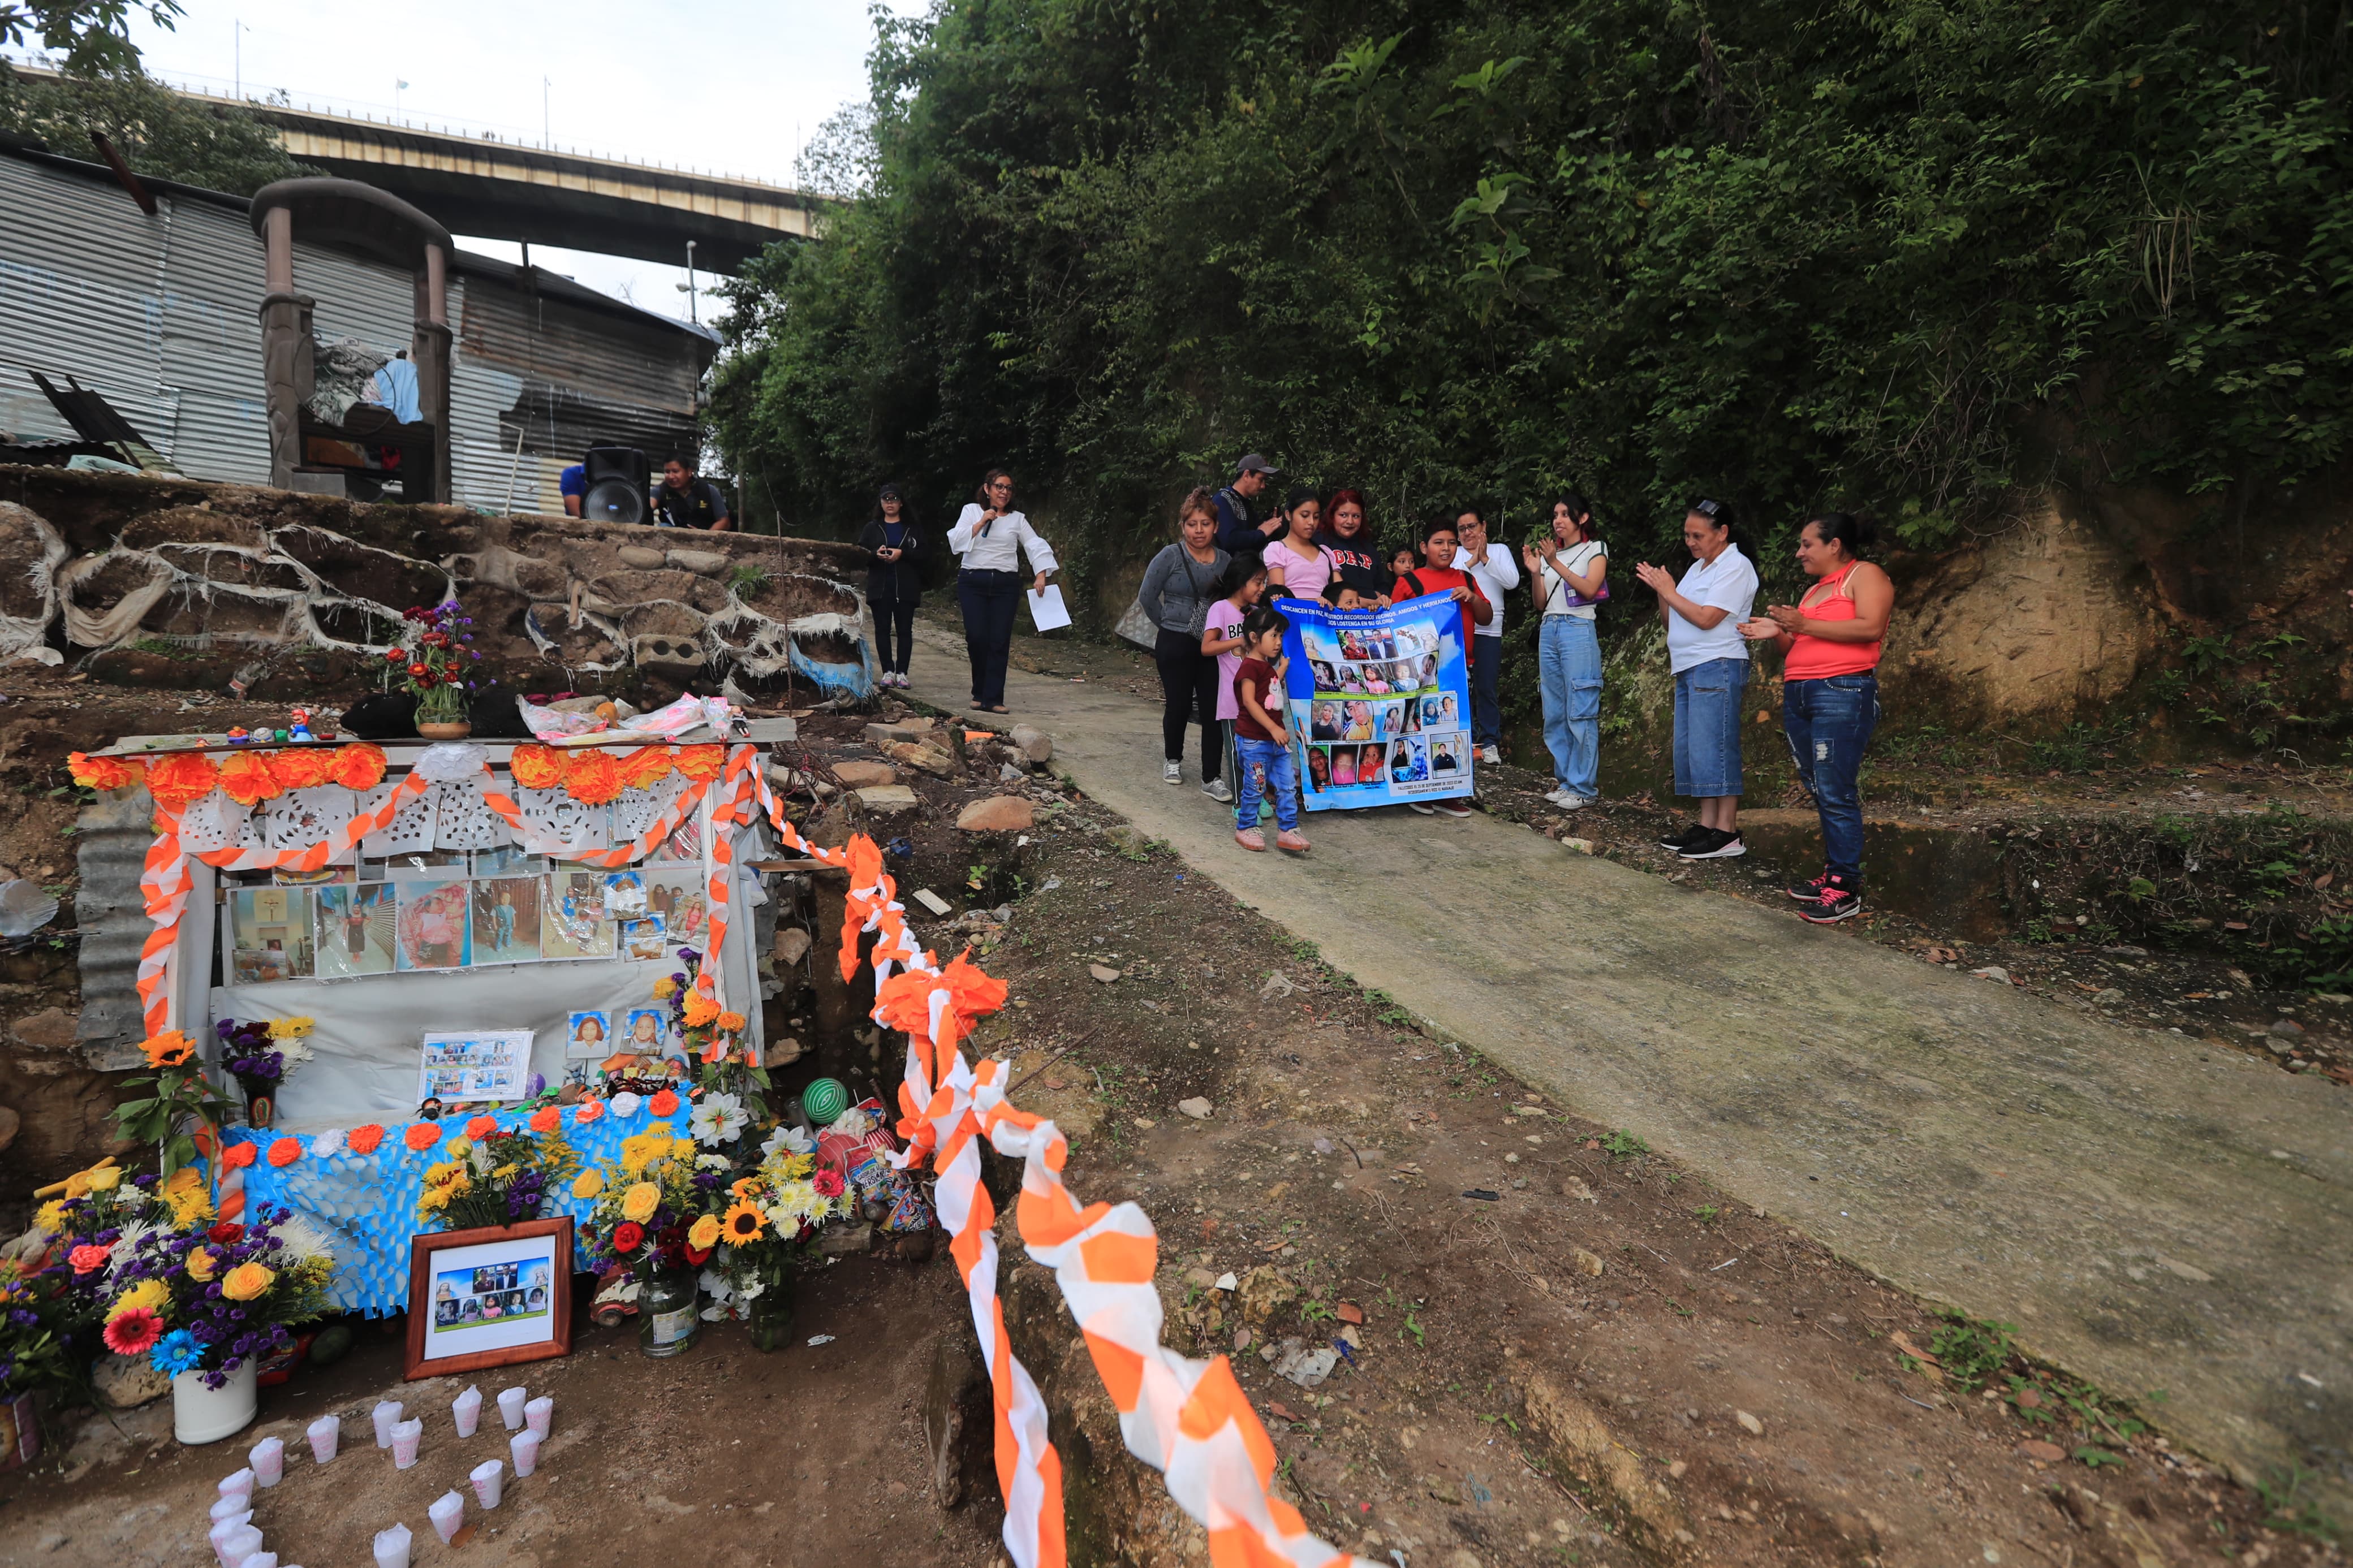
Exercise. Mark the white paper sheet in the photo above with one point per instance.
(1047, 611)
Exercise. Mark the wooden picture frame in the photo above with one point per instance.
(493, 1317)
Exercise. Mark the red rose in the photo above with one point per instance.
(627, 1235)
(698, 1258)
(227, 1232)
(828, 1183)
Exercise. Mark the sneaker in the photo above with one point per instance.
(1713, 844)
(1293, 840)
(1219, 790)
(1453, 808)
(1488, 754)
(1809, 891)
(1171, 772)
(1568, 799)
(1838, 903)
(903, 680)
(1249, 838)
(1677, 840)
(1423, 806)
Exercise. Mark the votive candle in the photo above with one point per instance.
(239, 1543)
(387, 1416)
(539, 1413)
(510, 1403)
(489, 1480)
(326, 1435)
(448, 1512)
(525, 1446)
(392, 1547)
(223, 1529)
(268, 1461)
(466, 1408)
(406, 1438)
(238, 1485)
(230, 1507)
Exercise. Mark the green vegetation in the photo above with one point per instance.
(1621, 1144)
(158, 133)
(1792, 253)
(1969, 1351)
(2287, 1511)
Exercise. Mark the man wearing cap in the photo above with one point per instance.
(1241, 530)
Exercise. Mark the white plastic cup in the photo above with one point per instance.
(223, 1529)
(539, 1413)
(466, 1408)
(230, 1507)
(490, 1478)
(392, 1547)
(326, 1435)
(239, 1543)
(388, 1414)
(525, 1446)
(406, 1439)
(268, 1460)
(447, 1513)
(239, 1486)
(511, 1402)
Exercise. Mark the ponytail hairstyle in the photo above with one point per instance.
(1238, 573)
(1260, 621)
(1850, 533)
(980, 495)
(1580, 512)
(1720, 514)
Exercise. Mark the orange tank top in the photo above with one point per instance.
(1817, 658)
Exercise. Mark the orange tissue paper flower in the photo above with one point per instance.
(182, 779)
(237, 1156)
(664, 1103)
(300, 767)
(247, 779)
(285, 1151)
(357, 767)
(364, 1140)
(536, 768)
(482, 1127)
(700, 762)
(587, 1110)
(422, 1135)
(592, 777)
(700, 1010)
(104, 773)
(545, 1119)
(645, 768)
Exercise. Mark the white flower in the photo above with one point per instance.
(789, 1139)
(715, 1284)
(752, 1288)
(712, 1161)
(327, 1144)
(625, 1104)
(718, 1118)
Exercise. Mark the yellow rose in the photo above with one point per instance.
(639, 1203)
(459, 1147)
(202, 1262)
(152, 1294)
(246, 1281)
(106, 1180)
(665, 989)
(588, 1185)
(704, 1234)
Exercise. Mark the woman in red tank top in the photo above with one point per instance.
(1830, 695)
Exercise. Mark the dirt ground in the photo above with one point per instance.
(1551, 1345)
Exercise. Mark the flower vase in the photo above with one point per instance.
(666, 1312)
(771, 1316)
(202, 1414)
(260, 1107)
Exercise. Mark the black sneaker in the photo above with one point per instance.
(1713, 844)
(1838, 901)
(1810, 890)
(1677, 840)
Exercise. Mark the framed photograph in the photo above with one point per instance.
(488, 1064)
(506, 921)
(355, 934)
(588, 1034)
(271, 935)
(432, 929)
(572, 917)
(680, 901)
(489, 1297)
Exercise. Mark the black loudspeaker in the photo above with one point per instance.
(619, 482)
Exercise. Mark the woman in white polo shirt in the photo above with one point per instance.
(990, 536)
(1710, 660)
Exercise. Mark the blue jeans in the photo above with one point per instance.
(988, 600)
(1707, 728)
(1568, 663)
(1268, 766)
(1828, 723)
(1486, 707)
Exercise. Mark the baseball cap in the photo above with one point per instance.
(1253, 463)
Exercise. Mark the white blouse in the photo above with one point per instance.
(997, 549)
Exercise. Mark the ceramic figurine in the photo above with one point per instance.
(430, 1111)
(237, 737)
(301, 730)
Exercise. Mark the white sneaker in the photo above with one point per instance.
(1426, 810)
(1171, 772)
(1566, 799)
(1490, 755)
(1219, 790)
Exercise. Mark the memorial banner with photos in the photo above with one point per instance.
(1379, 702)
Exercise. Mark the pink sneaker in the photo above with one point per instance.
(1249, 838)
(1294, 841)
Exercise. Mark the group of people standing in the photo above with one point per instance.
(1210, 595)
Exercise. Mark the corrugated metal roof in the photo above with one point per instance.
(161, 315)
(110, 851)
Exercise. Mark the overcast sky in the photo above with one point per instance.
(733, 86)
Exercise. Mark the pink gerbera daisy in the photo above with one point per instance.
(133, 1331)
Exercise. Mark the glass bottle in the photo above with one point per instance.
(666, 1311)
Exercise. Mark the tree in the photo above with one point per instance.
(91, 35)
(158, 131)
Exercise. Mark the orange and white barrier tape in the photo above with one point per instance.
(1187, 1418)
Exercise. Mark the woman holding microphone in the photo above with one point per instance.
(990, 536)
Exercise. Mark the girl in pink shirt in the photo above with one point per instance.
(1239, 588)
(1295, 562)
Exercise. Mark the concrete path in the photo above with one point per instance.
(2154, 1214)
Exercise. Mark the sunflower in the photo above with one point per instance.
(640, 1201)
(169, 1049)
(703, 1235)
(742, 1223)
